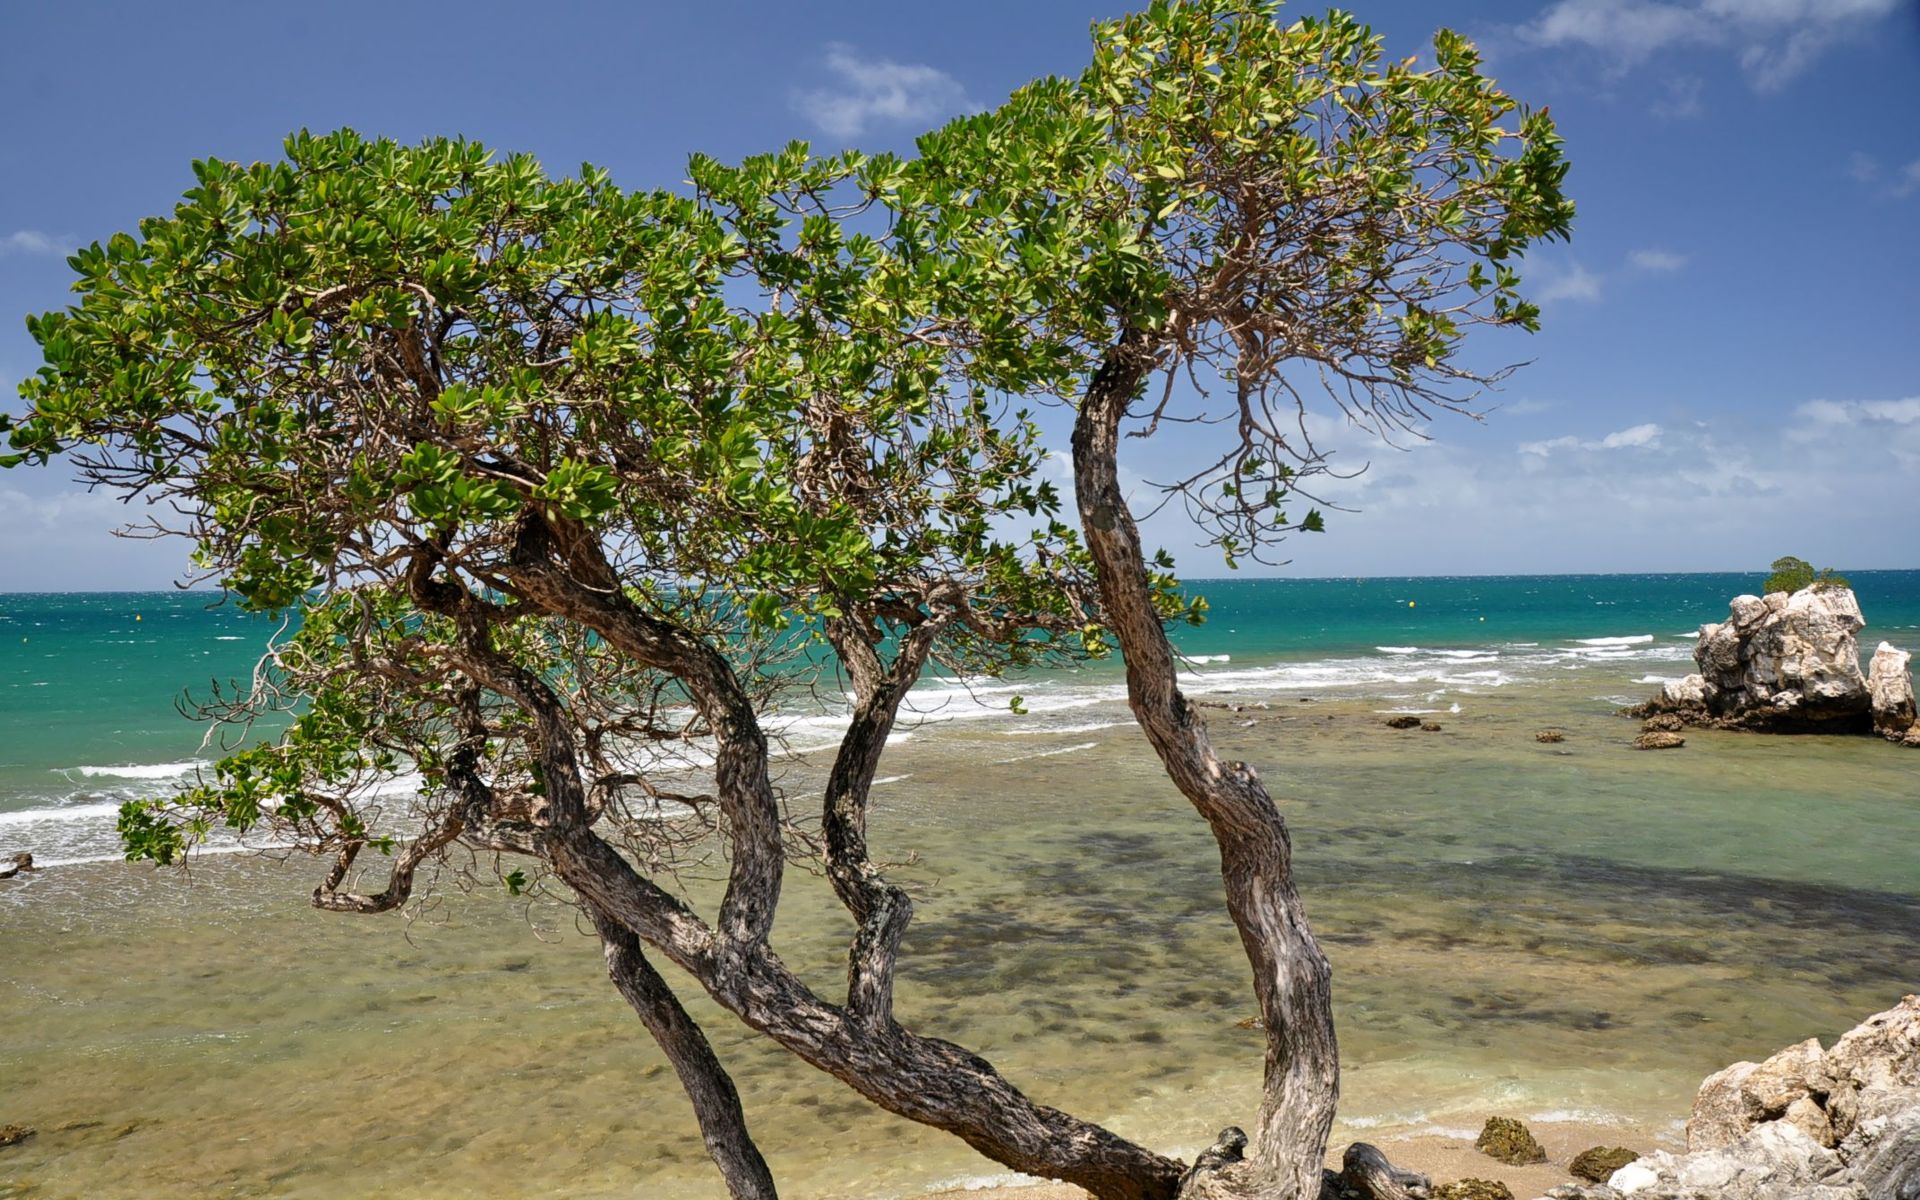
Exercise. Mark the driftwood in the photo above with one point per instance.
(1365, 1174)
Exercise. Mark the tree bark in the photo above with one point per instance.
(723, 1124)
(1291, 978)
(923, 1079)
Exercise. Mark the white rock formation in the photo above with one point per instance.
(1890, 685)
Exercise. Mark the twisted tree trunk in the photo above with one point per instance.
(1291, 978)
(716, 1103)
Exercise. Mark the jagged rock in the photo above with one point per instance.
(1797, 1071)
(1509, 1141)
(1598, 1164)
(1403, 722)
(1803, 1125)
(1874, 1069)
(1473, 1189)
(1787, 663)
(1663, 723)
(1722, 1110)
(13, 1135)
(1883, 1155)
(1659, 740)
(1688, 692)
(1890, 688)
(1549, 736)
(1806, 1115)
(1732, 1101)
(1774, 1161)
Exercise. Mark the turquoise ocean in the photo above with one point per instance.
(1570, 932)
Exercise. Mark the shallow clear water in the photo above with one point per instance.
(1558, 931)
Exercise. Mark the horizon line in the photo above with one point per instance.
(209, 591)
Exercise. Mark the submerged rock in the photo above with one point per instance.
(1781, 663)
(1890, 687)
(1509, 1141)
(1659, 740)
(13, 1135)
(1663, 723)
(1549, 736)
(1403, 722)
(1473, 1189)
(1430, 727)
(1598, 1164)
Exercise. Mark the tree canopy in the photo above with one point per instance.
(1790, 574)
(567, 484)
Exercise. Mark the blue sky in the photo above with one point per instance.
(1730, 368)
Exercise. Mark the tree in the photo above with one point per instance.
(1790, 574)
(560, 478)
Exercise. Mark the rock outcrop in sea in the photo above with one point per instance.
(1790, 663)
(1806, 1124)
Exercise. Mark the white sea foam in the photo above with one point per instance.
(1088, 727)
(1577, 1116)
(173, 770)
(1209, 658)
(1638, 639)
(1398, 649)
(62, 815)
(1048, 753)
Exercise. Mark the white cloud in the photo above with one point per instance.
(873, 92)
(1658, 261)
(1572, 282)
(1723, 493)
(63, 540)
(32, 241)
(1824, 414)
(1632, 438)
(1682, 100)
(1898, 183)
(1774, 40)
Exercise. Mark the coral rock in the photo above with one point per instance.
(1509, 1141)
(1598, 1164)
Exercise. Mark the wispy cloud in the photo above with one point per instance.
(32, 241)
(1897, 183)
(877, 91)
(1682, 100)
(1556, 281)
(1633, 438)
(1826, 414)
(1722, 491)
(1570, 282)
(1773, 40)
(1656, 261)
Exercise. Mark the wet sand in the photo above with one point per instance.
(1443, 1159)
